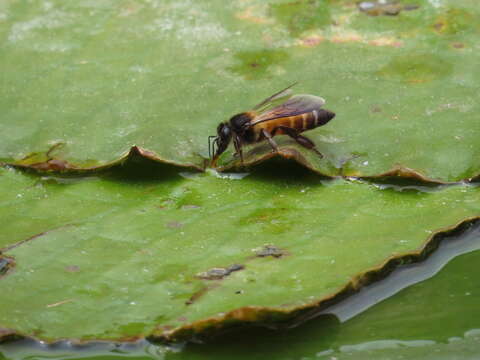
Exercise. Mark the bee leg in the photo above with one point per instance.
(211, 143)
(300, 139)
(272, 142)
(238, 148)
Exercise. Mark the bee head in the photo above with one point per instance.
(224, 132)
(220, 142)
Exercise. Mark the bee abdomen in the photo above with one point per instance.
(311, 120)
(302, 122)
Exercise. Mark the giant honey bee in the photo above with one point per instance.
(279, 114)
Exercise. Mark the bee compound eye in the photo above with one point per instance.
(225, 132)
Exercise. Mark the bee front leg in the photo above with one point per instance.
(238, 148)
(272, 142)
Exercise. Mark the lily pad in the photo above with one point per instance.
(124, 256)
(103, 77)
(391, 328)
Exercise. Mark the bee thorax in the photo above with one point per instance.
(239, 122)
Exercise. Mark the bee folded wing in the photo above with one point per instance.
(296, 105)
(275, 99)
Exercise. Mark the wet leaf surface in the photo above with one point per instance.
(104, 262)
(103, 77)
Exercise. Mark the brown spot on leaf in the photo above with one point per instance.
(458, 45)
(46, 161)
(386, 8)
(270, 250)
(410, 7)
(438, 26)
(311, 41)
(258, 63)
(219, 272)
(53, 165)
(6, 264)
(174, 225)
(72, 268)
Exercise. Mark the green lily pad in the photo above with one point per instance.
(103, 77)
(391, 328)
(124, 256)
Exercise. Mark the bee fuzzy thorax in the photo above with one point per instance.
(239, 121)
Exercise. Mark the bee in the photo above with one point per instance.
(279, 114)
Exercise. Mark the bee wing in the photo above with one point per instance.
(273, 100)
(296, 105)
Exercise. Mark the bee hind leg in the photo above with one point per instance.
(300, 139)
(272, 142)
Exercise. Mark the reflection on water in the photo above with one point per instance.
(30, 349)
(384, 344)
(411, 324)
(465, 348)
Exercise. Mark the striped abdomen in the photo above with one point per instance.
(301, 123)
